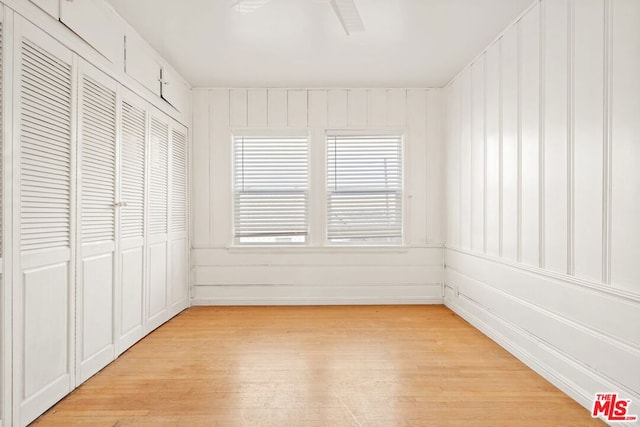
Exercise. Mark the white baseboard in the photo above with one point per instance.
(557, 368)
(320, 294)
(317, 301)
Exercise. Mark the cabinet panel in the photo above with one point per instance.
(174, 90)
(52, 7)
(141, 63)
(96, 23)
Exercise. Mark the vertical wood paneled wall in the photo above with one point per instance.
(316, 274)
(542, 151)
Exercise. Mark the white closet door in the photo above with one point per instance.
(96, 218)
(43, 310)
(157, 242)
(131, 257)
(178, 226)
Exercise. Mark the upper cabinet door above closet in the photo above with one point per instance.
(52, 7)
(96, 23)
(141, 63)
(174, 90)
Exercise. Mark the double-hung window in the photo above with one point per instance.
(271, 189)
(364, 189)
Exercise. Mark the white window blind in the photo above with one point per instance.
(364, 189)
(271, 189)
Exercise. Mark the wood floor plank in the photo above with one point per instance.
(317, 366)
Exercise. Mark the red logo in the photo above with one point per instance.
(611, 408)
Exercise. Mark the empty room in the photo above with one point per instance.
(319, 213)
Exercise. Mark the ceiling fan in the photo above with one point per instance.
(345, 10)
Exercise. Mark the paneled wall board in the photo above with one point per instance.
(435, 167)
(396, 108)
(219, 168)
(337, 108)
(220, 112)
(297, 109)
(493, 149)
(200, 168)
(559, 107)
(357, 108)
(530, 137)
(478, 150)
(465, 159)
(257, 108)
(377, 106)
(238, 108)
(557, 280)
(277, 108)
(417, 131)
(318, 108)
(555, 134)
(509, 74)
(454, 172)
(625, 148)
(588, 135)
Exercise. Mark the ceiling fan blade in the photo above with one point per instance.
(248, 6)
(348, 15)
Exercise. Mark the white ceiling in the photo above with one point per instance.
(300, 43)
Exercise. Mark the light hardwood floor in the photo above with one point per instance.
(317, 366)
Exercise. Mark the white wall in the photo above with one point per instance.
(226, 275)
(543, 194)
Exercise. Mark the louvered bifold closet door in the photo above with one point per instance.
(44, 291)
(158, 215)
(96, 231)
(179, 285)
(133, 147)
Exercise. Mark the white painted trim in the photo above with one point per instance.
(571, 119)
(607, 140)
(541, 136)
(552, 275)
(317, 293)
(317, 301)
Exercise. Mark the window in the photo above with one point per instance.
(271, 189)
(364, 189)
